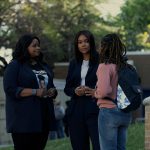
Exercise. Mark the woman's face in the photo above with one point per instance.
(34, 48)
(83, 44)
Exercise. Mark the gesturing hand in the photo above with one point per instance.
(80, 91)
(89, 91)
(51, 92)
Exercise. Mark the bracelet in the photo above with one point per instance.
(34, 91)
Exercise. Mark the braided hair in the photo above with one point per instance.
(112, 50)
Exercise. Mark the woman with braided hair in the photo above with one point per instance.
(113, 123)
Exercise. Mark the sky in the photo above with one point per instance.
(111, 7)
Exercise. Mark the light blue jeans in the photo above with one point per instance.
(113, 124)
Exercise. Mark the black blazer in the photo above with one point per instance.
(73, 80)
(23, 114)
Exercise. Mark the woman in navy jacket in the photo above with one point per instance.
(29, 89)
(80, 83)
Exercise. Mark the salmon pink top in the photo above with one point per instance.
(106, 85)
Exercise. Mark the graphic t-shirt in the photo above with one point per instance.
(41, 76)
(42, 79)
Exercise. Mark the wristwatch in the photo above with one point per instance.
(33, 91)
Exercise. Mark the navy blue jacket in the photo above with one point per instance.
(73, 80)
(23, 114)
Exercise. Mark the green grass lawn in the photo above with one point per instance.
(135, 140)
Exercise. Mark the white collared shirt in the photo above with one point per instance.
(84, 69)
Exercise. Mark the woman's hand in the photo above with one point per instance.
(51, 92)
(80, 90)
(41, 92)
(89, 91)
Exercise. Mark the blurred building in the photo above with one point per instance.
(141, 60)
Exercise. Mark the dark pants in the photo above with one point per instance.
(83, 127)
(26, 141)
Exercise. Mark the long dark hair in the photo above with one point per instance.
(21, 50)
(93, 53)
(112, 50)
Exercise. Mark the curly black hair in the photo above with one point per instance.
(21, 50)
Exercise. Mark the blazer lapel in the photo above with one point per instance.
(47, 71)
(78, 71)
(88, 74)
(89, 70)
(29, 71)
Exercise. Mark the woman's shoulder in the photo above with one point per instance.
(107, 66)
(44, 64)
(73, 62)
(14, 63)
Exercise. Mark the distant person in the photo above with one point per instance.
(29, 89)
(83, 111)
(59, 115)
(3, 65)
(65, 119)
(113, 122)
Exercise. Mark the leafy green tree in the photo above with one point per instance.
(134, 21)
(22, 17)
(67, 17)
(55, 21)
(7, 20)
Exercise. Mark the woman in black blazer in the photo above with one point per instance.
(29, 89)
(80, 84)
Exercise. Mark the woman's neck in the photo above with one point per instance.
(33, 61)
(86, 56)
